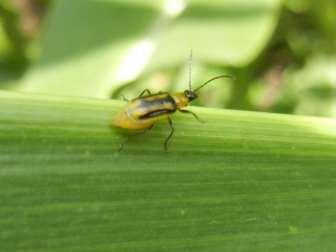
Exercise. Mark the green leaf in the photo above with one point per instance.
(90, 47)
(4, 43)
(223, 32)
(242, 181)
(313, 87)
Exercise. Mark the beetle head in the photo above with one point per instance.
(191, 95)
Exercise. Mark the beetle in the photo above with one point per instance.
(145, 110)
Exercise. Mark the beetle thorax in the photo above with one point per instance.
(180, 99)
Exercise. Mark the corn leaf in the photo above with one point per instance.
(242, 181)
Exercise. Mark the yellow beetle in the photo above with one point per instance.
(142, 112)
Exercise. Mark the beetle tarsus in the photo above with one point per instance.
(121, 146)
(192, 113)
(125, 99)
(170, 122)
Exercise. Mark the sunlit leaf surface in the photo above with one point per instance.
(242, 181)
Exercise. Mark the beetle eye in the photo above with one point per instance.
(190, 95)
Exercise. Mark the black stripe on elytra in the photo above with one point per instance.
(156, 113)
(158, 101)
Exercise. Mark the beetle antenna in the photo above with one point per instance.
(212, 79)
(190, 66)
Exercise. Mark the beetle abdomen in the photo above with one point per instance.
(126, 121)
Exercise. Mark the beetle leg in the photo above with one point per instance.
(190, 112)
(121, 147)
(170, 122)
(144, 92)
(125, 99)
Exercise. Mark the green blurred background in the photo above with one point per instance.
(282, 53)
